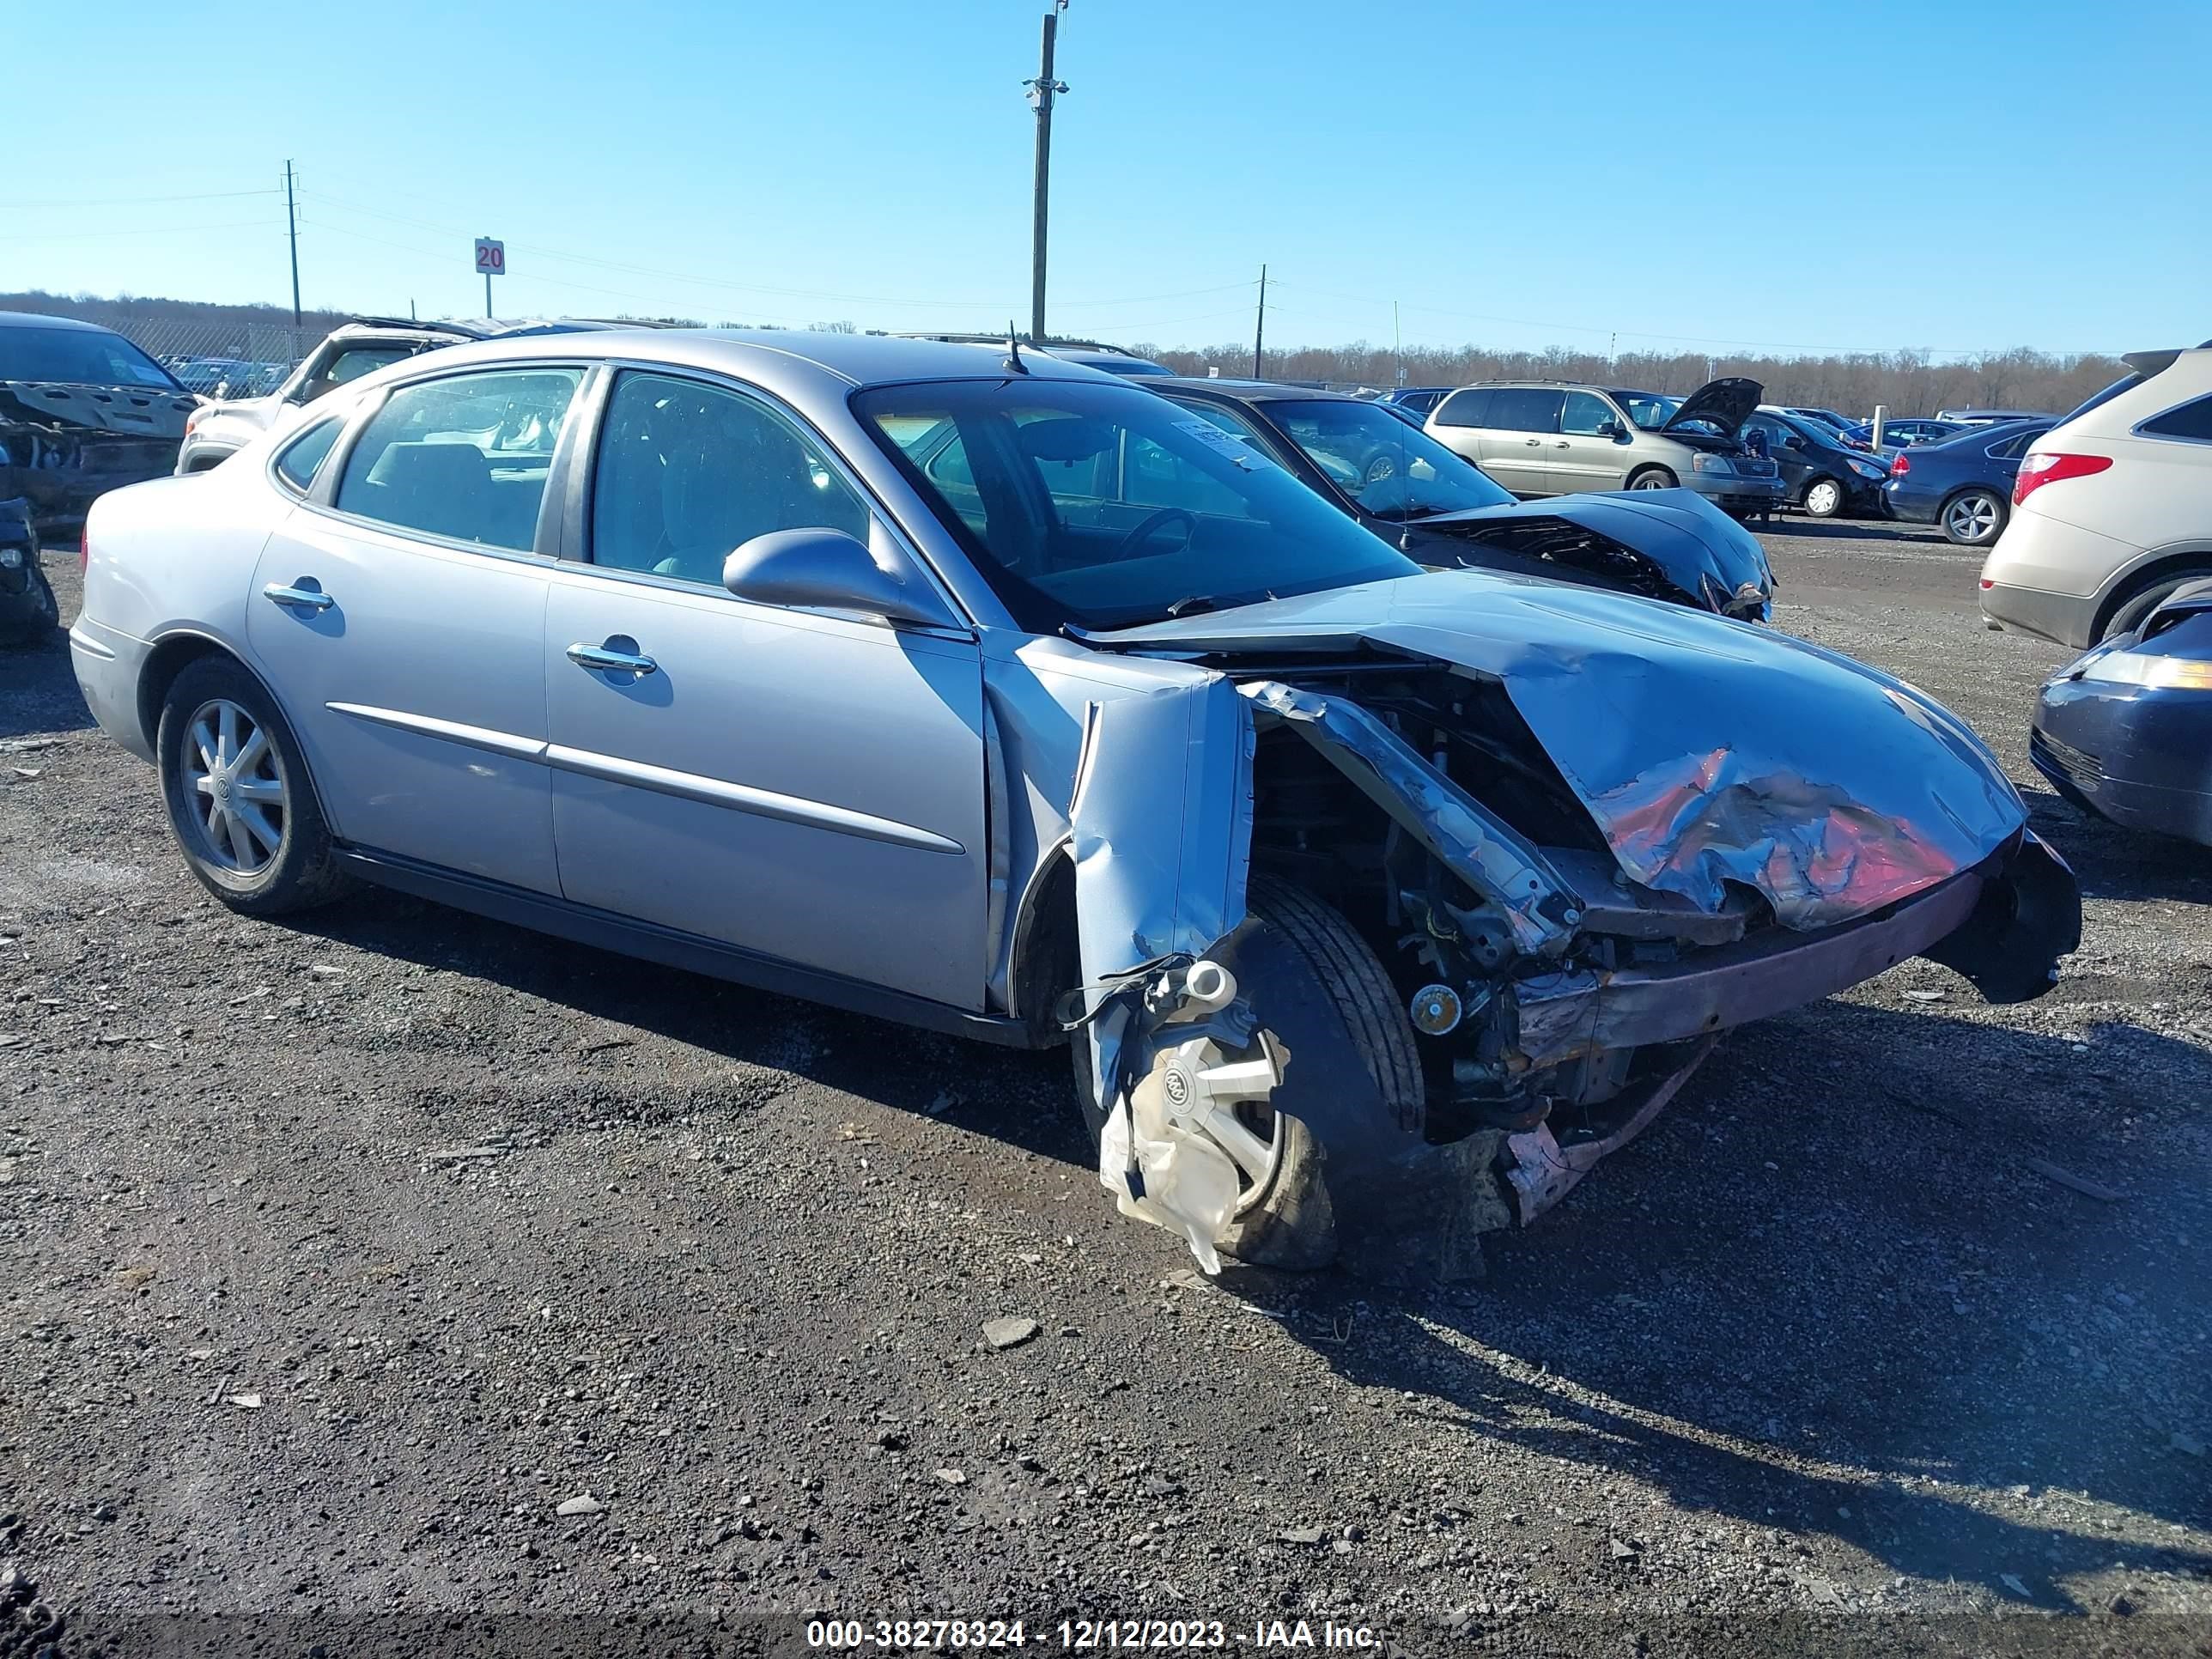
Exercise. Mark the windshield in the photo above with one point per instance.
(1105, 506)
(1394, 470)
(1649, 410)
(78, 356)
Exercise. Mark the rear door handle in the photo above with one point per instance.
(1533, 442)
(298, 599)
(611, 661)
(1562, 444)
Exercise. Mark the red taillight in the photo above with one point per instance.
(2045, 467)
(83, 551)
(1900, 466)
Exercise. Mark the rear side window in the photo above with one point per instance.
(465, 456)
(305, 453)
(2191, 421)
(350, 364)
(1525, 408)
(1469, 408)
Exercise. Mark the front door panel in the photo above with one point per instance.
(800, 786)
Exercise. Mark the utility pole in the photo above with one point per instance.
(1260, 323)
(1397, 344)
(292, 223)
(1043, 91)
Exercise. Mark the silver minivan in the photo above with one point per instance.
(1545, 438)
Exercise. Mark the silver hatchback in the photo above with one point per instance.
(996, 695)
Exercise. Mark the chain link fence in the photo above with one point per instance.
(221, 360)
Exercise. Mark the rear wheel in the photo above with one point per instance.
(1824, 498)
(1284, 1217)
(1973, 517)
(1651, 478)
(2136, 609)
(236, 787)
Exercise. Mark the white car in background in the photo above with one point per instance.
(2113, 509)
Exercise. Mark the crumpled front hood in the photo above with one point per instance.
(1688, 538)
(1706, 750)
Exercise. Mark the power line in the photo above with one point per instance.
(147, 230)
(665, 274)
(137, 201)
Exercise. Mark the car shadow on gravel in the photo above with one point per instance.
(1851, 529)
(1016, 1096)
(2117, 863)
(1830, 1288)
(38, 690)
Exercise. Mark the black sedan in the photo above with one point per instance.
(2126, 731)
(1822, 474)
(82, 410)
(1962, 484)
(1445, 511)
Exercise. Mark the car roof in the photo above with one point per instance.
(1254, 392)
(855, 360)
(40, 319)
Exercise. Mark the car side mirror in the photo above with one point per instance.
(1793, 441)
(827, 569)
(1611, 430)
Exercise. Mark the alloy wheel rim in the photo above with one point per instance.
(1651, 481)
(234, 788)
(1972, 517)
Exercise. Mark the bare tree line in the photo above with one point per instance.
(1907, 382)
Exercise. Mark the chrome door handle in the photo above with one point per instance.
(299, 598)
(615, 662)
(1562, 444)
(1533, 442)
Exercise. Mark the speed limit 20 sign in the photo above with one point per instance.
(491, 257)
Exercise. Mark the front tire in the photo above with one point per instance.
(1651, 478)
(1284, 1216)
(240, 804)
(1973, 517)
(1824, 498)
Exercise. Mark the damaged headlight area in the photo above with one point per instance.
(1504, 1003)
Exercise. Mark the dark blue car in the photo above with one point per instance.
(2125, 732)
(1962, 484)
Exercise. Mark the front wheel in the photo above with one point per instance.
(1973, 517)
(1824, 498)
(1284, 1217)
(1651, 478)
(235, 785)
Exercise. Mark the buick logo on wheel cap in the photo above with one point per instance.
(1176, 1086)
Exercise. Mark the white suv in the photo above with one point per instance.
(2112, 509)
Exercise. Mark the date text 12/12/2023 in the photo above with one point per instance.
(1079, 1635)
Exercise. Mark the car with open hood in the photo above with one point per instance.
(1441, 511)
(1380, 903)
(1821, 475)
(82, 410)
(1552, 438)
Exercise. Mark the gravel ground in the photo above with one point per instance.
(340, 1255)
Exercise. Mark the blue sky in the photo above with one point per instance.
(1956, 175)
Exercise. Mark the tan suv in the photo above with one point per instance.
(1544, 438)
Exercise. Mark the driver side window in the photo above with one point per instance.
(1585, 413)
(688, 472)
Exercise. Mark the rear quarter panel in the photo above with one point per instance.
(177, 555)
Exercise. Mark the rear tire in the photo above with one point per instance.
(1651, 478)
(1973, 517)
(1288, 1220)
(2132, 612)
(240, 802)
